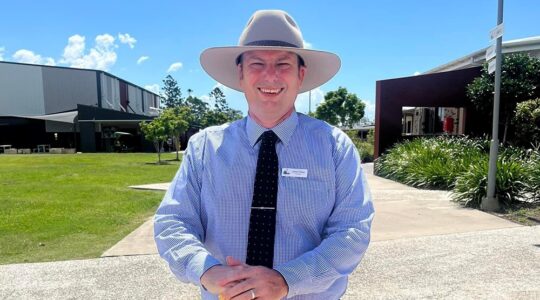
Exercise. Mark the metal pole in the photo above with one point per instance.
(491, 202)
(310, 102)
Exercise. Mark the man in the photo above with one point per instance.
(274, 205)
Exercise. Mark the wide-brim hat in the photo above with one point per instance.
(270, 30)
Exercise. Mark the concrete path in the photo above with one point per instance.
(491, 264)
(400, 212)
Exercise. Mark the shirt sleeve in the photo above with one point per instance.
(347, 232)
(178, 231)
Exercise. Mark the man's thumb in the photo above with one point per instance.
(231, 261)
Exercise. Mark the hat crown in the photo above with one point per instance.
(271, 28)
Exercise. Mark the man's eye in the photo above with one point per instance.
(256, 65)
(284, 65)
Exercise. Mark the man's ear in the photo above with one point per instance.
(240, 74)
(301, 73)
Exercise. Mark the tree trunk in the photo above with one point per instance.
(158, 150)
(176, 141)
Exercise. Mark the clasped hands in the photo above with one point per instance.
(239, 281)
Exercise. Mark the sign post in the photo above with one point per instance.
(491, 202)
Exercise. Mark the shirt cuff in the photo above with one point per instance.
(293, 278)
(199, 264)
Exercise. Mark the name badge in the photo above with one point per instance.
(288, 172)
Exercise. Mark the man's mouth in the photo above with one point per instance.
(270, 91)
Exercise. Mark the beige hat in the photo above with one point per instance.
(270, 30)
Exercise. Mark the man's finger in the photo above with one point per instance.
(239, 290)
(234, 274)
(247, 295)
(231, 261)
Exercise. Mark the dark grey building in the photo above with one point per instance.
(61, 107)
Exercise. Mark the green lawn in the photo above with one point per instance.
(72, 206)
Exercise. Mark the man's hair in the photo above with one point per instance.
(301, 62)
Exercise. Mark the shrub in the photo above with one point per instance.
(527, 122)
(430, 162)
(512, 181)
(365, 148)
(461, 165)
(533, 170)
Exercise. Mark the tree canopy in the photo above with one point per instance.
(221, 113)
(341, 108)
(171, 93)
(157, 132)
(520, 81)
(176, 121)
(200, 114)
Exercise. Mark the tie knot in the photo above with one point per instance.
(269, 137)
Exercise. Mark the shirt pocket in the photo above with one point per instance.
(304, 202)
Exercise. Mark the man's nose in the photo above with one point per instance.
(270, 71)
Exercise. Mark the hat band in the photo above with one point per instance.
(271, 43)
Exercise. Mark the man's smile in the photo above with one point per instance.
(270, 91)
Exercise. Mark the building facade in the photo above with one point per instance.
(60, 107)
(435, 102)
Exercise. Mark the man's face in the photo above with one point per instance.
(271, 80)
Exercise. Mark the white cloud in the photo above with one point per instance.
(153, 88)
(142, 59)
(308, 45)
(369, 110)
(74, 49)
(302, 101)
(207, 99)
(417, 73)
(29, 57)
(175, 67)
(2, 51)
(127, 39)
(102, 56)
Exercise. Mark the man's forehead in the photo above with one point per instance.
(280, 54)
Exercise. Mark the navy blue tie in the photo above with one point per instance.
(262, 222)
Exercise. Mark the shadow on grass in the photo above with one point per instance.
(162, 163)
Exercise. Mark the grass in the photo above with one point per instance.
(525, 214)
(61, 207)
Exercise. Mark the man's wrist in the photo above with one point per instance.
(198, 265)
(201, 280)
(284, 281)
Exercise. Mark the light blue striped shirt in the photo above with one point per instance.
(323, 219)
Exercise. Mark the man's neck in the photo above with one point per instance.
(270, 122)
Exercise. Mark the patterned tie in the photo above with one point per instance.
(262, 223)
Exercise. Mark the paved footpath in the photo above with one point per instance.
(423, 247)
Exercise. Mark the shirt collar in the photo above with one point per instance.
(283, 130)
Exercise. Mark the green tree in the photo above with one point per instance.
(155, 131)
(172, 93)
(176, 120)
(340, 108)
(520, 81)
(527, 122)
(198, 110)
(221, 113)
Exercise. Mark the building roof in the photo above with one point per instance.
(80, 69)
(477, 58)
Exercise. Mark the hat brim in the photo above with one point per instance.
(220, 64)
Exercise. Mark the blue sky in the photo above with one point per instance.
(375, 39)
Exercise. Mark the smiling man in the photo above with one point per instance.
(275, 205)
